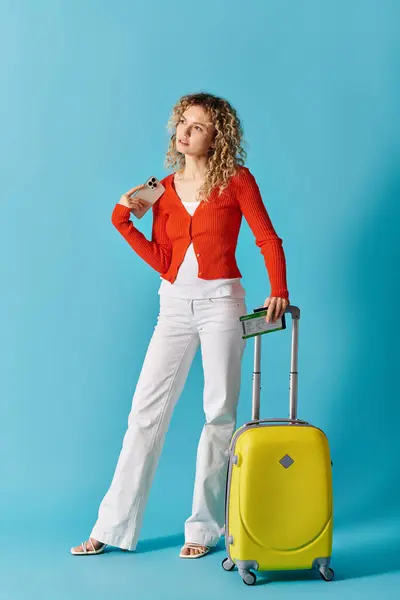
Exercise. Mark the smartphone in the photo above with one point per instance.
(149, 194)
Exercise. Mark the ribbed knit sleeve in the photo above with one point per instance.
(157, 252)
(256, 215)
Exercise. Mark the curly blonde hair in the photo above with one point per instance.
(227, 153)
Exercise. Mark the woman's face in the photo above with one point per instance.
(195, 128)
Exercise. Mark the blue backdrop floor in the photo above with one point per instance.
(366, 562)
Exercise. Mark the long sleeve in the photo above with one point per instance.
(157, 252)
(256, 215)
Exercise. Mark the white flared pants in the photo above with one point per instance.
(182, 325)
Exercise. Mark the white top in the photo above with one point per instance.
(188, 285)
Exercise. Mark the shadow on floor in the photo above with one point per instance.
(353, 558)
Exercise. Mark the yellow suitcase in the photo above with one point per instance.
(279, 507)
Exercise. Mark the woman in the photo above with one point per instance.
(195, 228)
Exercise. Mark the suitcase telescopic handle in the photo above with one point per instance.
(289, 421)
(293, 376)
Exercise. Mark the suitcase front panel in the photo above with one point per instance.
(280, 498)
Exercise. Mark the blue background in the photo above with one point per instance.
(87, 88)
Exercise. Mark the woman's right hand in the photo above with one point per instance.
(132, 203)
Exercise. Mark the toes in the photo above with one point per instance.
(198, 550)
(193, 551)
(88, 545)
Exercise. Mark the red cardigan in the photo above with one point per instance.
(213, 229)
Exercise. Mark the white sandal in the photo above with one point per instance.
(85, 550)
(194, 547)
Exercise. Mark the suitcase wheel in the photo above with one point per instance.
(249, 578)
(326, 573)
(228, 565)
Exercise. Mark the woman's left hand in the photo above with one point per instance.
(276, 308)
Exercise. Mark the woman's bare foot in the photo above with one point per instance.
(91, 546)
(195, 550)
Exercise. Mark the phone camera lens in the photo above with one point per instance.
(153, 179)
